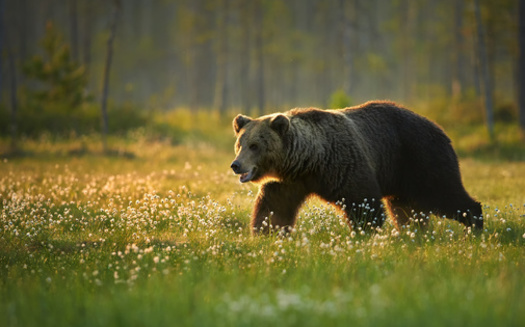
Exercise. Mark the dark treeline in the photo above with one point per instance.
(270, 55)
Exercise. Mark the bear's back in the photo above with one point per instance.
(387, 118)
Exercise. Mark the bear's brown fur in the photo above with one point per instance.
(371, 157)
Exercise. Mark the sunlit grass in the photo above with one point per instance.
(162, 238)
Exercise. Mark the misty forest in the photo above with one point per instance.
(457, 61)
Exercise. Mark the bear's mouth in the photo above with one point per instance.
(246, 177)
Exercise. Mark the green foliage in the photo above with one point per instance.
(56, 101)
(122, 118)
(465, 111)
(59, 87)
(164, 239)
(506, 112)
(55, 98)
(85, 120)
(339, 99)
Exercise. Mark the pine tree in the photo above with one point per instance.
(59, 83)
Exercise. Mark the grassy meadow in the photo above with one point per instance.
(156, 234)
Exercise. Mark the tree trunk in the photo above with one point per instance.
(107, 68)
(521, 66)
(458, 79)
(14, 103)
(1, 44)
(192, 63)
(5, 44)
(407, 13)
(485, 73)
(347, 17)
(245, 60)
(259, 56)
(221, 81)
(73, 13)
(87, 24)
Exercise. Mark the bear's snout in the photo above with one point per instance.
(246, 174)
(236, 166)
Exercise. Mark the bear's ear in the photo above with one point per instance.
(239, 122)
(280, 124)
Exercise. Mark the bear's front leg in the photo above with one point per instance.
(276, 206)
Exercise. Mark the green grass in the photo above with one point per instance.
(161, 238)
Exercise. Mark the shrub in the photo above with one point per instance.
(56, 88)
(339, 99)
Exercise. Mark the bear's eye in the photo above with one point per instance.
(254, 147)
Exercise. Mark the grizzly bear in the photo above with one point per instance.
(372, 159)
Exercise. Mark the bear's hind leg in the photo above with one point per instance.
(403, 213)
(276, 207)
(463, 209)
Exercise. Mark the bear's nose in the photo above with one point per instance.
(236, 166)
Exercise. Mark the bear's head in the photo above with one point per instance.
(259, 146)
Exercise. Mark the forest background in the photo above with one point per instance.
(456, 61)
(118, 205)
